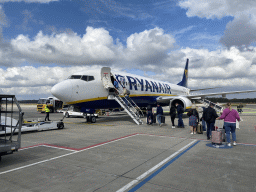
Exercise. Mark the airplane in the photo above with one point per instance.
(91, 90)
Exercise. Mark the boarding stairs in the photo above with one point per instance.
(207, 103)
(118, 94)
(131, 108)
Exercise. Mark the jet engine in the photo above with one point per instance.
(183, 101)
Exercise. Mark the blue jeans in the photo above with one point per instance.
(180, 121)
(209, 128)
(230, 127)
(158, 117)
(203, 125)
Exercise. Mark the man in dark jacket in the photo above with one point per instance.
(173, 115)
(180, 111)
(159, 113)
(149, 115)
(209, 115)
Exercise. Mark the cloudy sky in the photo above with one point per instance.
(42, 42)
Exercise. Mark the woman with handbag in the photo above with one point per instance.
(193, 119)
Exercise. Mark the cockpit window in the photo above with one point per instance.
(75, 77)
(90, 78)
(84, 77)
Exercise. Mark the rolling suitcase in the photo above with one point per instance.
(222, 129)
(217, 137)
(154, 118)
(162, 119)
(223, 134)
(199, 128)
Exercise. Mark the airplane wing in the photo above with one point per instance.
(223, 94)
(191, 90)
(165, 99)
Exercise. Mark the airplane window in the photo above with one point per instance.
(75, 77)
(84, 77)
(91, 78)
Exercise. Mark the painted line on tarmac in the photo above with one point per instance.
(77, 151)
(40, 162)
(138, 179)
(48, 145)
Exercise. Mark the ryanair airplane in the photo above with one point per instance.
(90, 90)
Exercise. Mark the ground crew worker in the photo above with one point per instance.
(47, 111)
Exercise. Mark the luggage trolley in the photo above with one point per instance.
(10, 108)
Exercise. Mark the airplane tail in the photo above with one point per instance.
(184, 81)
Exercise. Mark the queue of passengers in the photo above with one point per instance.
(208, 116)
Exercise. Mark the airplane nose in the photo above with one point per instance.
(63, 91)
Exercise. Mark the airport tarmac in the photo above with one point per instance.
(115, 154)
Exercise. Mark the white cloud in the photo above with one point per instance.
(149, 46)
(29, 1)
(239, 32)
(218, 8)
(209, 68)
(147, 51)
(96, 46)
(225, 68)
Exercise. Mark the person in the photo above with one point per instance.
(173, 115)
(149, 115)
(230, 116)
(47, 111)
(180, 111)
(159, 113)
(209, 115)
(201, 111)
(240, 108)
(193, 119)
(116, 86)
(126, 95)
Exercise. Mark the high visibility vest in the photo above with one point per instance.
(47, 110)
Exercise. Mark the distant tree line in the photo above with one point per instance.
(28, 101)
(225, 100)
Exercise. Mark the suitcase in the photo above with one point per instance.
(223, 134)
(154, 118)
(222, 129)
(217, 137)
(199, 128)
(162, 119)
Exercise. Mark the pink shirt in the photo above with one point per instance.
(230, 117)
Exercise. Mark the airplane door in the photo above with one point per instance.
(106, 77)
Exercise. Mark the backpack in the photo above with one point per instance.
(182, 109)
(208, 115)
(189, 113)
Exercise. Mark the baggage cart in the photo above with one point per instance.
(10, 108)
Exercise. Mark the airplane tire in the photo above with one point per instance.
(66, 115)
(93, 119)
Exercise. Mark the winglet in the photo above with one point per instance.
(184, 81)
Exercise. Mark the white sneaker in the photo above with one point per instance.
(234, 143)
(191, 133)
(229, 144)
(173, 127)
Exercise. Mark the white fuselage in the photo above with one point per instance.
(92, 94)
